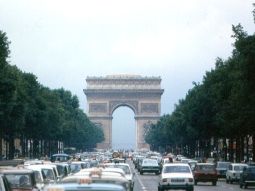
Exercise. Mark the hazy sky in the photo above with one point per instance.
(64, 41)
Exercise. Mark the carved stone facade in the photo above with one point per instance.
(106, 94)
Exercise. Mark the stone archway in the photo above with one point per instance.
(141, 94)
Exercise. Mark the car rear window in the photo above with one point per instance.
(153, 162)
(206, 167)
(223, 165)
(238, 168)
(252, 170)
(176, 169)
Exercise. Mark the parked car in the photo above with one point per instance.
(150, 165)
(234, 171)
(21, 179)
(205, 172)
(176, 176)
(222, 168)
(247, 177)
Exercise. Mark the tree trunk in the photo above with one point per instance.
(11, 147)
(1, 143)
(6, 149)
(231, 150)
(253, 148)
(225, 149)
(35, 148)
(238, 151)
(242, 149)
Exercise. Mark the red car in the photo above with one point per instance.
(205, 172)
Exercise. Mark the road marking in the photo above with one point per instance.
(139, 180)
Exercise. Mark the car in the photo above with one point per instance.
(150, 165)
(137, 159)
(21, 179)
(63, 169)
(97, 175)
(176, 176)
(205, 172)
(127, 170)
(221, 167)
(234, 171)
(247, 177)
(60, 157)
(39, 175)
(48, 171)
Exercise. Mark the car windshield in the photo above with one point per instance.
(223, 165)
(176, 169)
(123, 167)
(153, 162)
(61, 170)
(206, 167)
(75, 168)
(38, 177)
(238, 168)
(48, 174)
(19, 180)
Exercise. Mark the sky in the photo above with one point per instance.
(64, 41)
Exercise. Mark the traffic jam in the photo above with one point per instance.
(124, 171)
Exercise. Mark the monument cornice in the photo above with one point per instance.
(123, 91)
(122, 77)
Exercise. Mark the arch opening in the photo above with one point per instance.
(123, 128)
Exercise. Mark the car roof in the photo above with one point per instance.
(89, 187)
(103, 177)
(150, 159)
(200, 164)
(60, 154)
(239, 164)
(176, 164)
(17, 171)
(109, 169)
(48, 166)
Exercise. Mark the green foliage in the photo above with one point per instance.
(222, 106)
(29, 110)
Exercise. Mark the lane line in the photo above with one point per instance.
(138, 178)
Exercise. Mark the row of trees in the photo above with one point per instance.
(220, 109)
(38, 116)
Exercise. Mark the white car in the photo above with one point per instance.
(127, 170)
(234, 171)
(176, 176)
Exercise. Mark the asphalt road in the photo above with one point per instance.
(149, 182)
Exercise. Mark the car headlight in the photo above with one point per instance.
(164, 180)
(190, 179)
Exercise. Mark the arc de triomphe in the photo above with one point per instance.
(141, 94)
